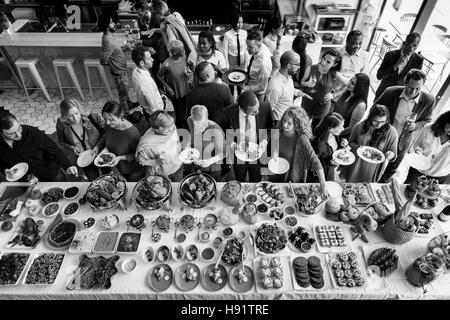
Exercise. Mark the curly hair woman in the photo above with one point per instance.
(377, 132)
(294, 145)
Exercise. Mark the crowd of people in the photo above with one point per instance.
(183, 100)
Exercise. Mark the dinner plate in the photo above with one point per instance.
(334, 189)
(278, 166)
(108, 164)
(85, 158)
(345, 152)
(182, 283)
(252, 154)
(360, 151)
(236, 76)
(163, 284)
(20, 168)
(418, 161)
(244, 286)
(208, 283)
(189, 155)
(293, 247)
(274, 254)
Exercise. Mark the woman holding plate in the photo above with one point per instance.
(207, 137)
(376, 132)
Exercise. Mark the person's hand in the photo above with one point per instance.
(170, 92)
(307, 96)
(263, 145)
(325, 193)
(204, 163)
(233, 145)
(390, 155)
(310, 83)
(72, 171)
(76, 150)
(161, 162)
(334, 163)
(117, 160)
(418, 150)
(344, 143)
(411, 126)
(328, 96)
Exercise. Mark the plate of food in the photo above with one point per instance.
(160, 277)
(189, 155)
(105, 159)
(371, 154)
(418, 161)
(83, 242)
(307, 198)
(12, 265)
(129, 242)
(272, 274)
(269, 193)
(27, 233)
(106, 242)
(52, 195)
(44, 269)
(106, 191)
(310, 272)
(248, 151)
(17, 172)
(197, 190)
(270, 238)
(343, 157)
(441, 245)
(347, 270)
(85, 158)
(61, 235)
(278, 165)
(358, 193)
(152, 192)
(213, 278)
(241, 278)
(187, 277)
(236, 76)
(234, 251)
(301, 239)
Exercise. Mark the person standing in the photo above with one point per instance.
(207, 51)
(397, 63)
(260, 65)
(147, 92)
(113, 56)
(273, 41)
(299, 46)
(411, 109)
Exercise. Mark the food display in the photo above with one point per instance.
(428, 192)
(329, 236)
(300, 237)
(229, 216)
(12, 266)
(152, 192)
(357, 193)
(83, 242)
(106, 242)
(249, 213)
(187, 277)
(71, 192)
(214, 278)
(231, 193)
(308, 198)
(241, 278)
(163, 222)
(290, 221)
(197, 190)
(44, 269)
(110, 221)
(378, 211)
(89, 223)
(371, 154)
(163, 253)
(71, 209)
(105, 191)
(441, 245)
(160, 277)
(384, 258)
(346, 270)
(308, 272)
(345, 213)
(270, 193)
(385, 194)
(27, 233)
(96, 272)
(276, 214)
(271, 273)
(270, 238)
(426, 222)
(128, 242)
(52, 195)
(51, 209)
(233, 251)
(187, 222)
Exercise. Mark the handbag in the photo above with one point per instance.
(168, 105)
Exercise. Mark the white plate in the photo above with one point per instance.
(85, 158)
(326, 272)
(83, 242)
(189, 155)
(97, 159)
(334, 189)
(236, 76)
(418, 161)
(245, 156)
(21, 168)
(362, 149)
(361, 268)
(341, 162)
(323, 249)
(287, 281)
(271, 255)
(279, 166)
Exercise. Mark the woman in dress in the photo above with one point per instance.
(159, 148)
(207, 51)
(318, 82)
(272, 39)
(122, 138)
(299, 46)
(434, 143)
(377, 132)
(209, 138)
(326, 141)
(78, 132)
(295, 146)
(172, 75)
(353, 103)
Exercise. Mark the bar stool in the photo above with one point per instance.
(375, 46)
(30, 64)
(68, 64)
(385, 47)
(95, 63)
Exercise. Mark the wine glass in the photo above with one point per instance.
(412, 117)
(313, 78)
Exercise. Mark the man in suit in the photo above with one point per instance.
(397, 63)
(405, 103)
(245, 119)
(214, 96)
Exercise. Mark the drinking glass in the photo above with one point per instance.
(412, 117)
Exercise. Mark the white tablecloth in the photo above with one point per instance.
(135, 286)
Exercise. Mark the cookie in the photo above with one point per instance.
(356, 273)
(301, 262)
(352, 256)
(317, 284)
(354, 264)
(313, 261)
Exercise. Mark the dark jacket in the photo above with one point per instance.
(43, 156)
(158, 40)
(386, 72)
(214, 96)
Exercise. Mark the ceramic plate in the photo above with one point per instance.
(325, 275)
(189, 155)
(418, 161)
(252, 154)
(19, 170)
(244, 286)
(180, 280)
(361, 150)
(343, 157)
(208, 283)
(98, 160)
(334, 189)
(279, 166)
(164, 283)
(236, 76)
(85, 158)
(66, 244)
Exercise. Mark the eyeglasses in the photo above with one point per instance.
(378, 122)
(295, 64)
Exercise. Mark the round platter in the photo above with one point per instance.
(98, 158)
(19, 170)
(339, 155)
(59, 247)
(160, 285)
(244, 286)
(278, 166)
(418, 161)
(189, 155)
(252, 154)
(236, 76)
(181, 283)
(85, 158)
(208, 283)
(280, 251)
(360, 151)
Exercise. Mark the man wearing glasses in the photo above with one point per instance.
(281, 91)
(410, 109)
(23, 143)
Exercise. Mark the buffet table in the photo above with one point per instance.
(135, 286)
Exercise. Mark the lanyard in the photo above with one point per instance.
(78, 137)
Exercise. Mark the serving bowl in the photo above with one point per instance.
(197, 190)
(152, 192)
(106, 191)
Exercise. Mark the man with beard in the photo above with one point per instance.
(397, 63)
(113, 56)
(281, 91)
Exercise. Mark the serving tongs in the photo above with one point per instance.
(77, 275)
(55, 222)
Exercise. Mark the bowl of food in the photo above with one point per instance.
(205, 236)
(197, 190)
(177, 252)
(233, 251)
(152, 192)
(249, 213)
(110, 221)
(262, 208)
(51, 209)
(208, 254)
(148, 255)
(106, 191)
(251, 198)
(71, 209)
(217, 242)
(61, 236)
(52, 195)
(191, 252)
(128, 265)
(105, 159)
(89, 223)
(163, 253)
(276, 214)
(290, 221)
(227, 232)
(289, 210)
(231, 193)
(71, 193)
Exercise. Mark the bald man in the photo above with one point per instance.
(214, 96)
(281, 91)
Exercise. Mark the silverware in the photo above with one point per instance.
(57, 220)
(72, 282)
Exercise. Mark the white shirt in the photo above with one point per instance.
(404, 109)
(147, 92)
(280, 94)
(230, 43)
(353, 64)
(260, 71)
(217, 58)
(252, 132)
(438, 153)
